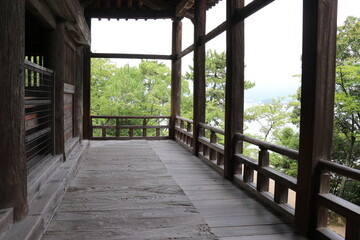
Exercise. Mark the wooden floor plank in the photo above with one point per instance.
(125, 192)
(230, 212)
(158, 190)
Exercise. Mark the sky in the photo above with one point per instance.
(272, 43)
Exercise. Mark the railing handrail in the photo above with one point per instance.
(343, 170)
(269, 146)
(37, 68)
(128, 117)
(185, 119)
(211, 128)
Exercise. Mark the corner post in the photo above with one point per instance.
(317, 110)
(13, 170)
(199, 71)
(234, 105)
(87, 90)
(175, 75)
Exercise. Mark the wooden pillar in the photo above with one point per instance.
(175, 75)
(13, 171)
(79, 94)
(199, 70)
(55, 56)
(234, 105)
(317, 108)
(87, 90)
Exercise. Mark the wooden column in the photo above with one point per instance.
(199, 70)
(13, 172)
(87, 90)
(79, 94)
(317, 109)
(55, 57)
(175, 75)
(234, 109)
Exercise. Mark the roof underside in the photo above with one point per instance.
(141, 9)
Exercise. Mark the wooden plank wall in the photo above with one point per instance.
(69, 90)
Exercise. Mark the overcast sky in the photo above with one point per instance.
(272, 40)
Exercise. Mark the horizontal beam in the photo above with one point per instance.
(134, 56)
(41, 10)
(125, 13)
(240, 15)
(183, 7)
(250, 9)
(136, 117)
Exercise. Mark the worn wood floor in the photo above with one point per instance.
(157, 190)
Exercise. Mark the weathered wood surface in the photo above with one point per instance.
(158, 190)
(123, 191)
(230, 212)
(13, 179)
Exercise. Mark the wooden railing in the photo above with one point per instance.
(247, 169)
(210, 151)
(328, 201)
(271, 186)
(129, 127)
(183, 132)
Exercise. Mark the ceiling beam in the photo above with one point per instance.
(183, 7)
(132, 13)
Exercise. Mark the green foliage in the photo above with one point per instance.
(271, 117)
(215, 74)
(346, 144)
(289, 138)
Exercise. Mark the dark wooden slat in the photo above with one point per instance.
(126, 55)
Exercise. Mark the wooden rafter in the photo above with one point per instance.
(183, 7)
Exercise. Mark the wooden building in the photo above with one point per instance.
(45, 107)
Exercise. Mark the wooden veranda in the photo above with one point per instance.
(46, 130)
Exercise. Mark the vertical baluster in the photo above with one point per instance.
(182, 136)
(188, 139)
(103, 131)
(263, 181)
(144, 129)
(131, 132)
(91, 123)
(117, 127)
(213, 139)
(158, 132)
(220, 158)
(281, 193)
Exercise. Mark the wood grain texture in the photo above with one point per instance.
(13, 175)
(123, 191)
(230, 212)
